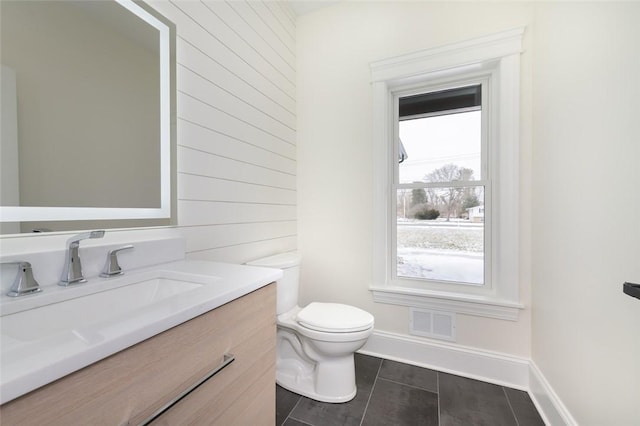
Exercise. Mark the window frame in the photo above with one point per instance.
(496, 59)
(485, 173)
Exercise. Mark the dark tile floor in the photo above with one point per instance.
(395, 394)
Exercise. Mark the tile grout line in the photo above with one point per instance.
(291, 411)
(438, 394)
(504, 391)
(298, 420)
(375, 381)
(408, 385)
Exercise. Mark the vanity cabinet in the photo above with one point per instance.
(130, 386)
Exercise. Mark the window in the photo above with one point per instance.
(440, 184)
(446, 142)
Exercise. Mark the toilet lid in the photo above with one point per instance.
(334, 317)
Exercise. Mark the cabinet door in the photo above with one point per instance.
(129, 386)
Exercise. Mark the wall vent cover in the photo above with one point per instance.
(434, 324)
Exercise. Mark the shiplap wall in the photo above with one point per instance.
(236, 103)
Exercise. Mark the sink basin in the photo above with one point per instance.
(80, 313)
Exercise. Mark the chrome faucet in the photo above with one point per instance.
(24, 283)
(72, 272)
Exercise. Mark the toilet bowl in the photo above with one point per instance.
(315, 344)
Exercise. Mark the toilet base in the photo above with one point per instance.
(315, 364)
(302, 384)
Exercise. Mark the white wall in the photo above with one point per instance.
(586, 240)
(236, 127)
(334, 49)
(579, 226)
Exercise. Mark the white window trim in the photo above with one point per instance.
(497, 55)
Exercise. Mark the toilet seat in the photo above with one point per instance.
(334, 318)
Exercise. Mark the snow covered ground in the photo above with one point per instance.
(438, 250)
(437, 265)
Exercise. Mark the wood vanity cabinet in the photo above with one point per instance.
(131, 385)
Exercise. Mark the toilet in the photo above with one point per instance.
(315, 344)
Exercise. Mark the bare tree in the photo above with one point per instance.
(450, 197)
(418, 196)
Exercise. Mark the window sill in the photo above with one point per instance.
(453, 302)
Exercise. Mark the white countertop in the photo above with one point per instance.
(30, 361)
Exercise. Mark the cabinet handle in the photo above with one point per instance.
(228, 359)
(632, 289)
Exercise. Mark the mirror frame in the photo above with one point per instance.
(167, 143)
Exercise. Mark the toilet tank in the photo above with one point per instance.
(287, 290)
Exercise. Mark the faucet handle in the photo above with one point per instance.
(24, 283)
(112, 268)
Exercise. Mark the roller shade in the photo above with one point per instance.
(444, 100)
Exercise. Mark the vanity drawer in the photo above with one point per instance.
(129, 386)
(237, 395)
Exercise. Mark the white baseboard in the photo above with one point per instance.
(473, 363)
(491, 367)
(546, 400)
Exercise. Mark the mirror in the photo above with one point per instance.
(88, 116)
